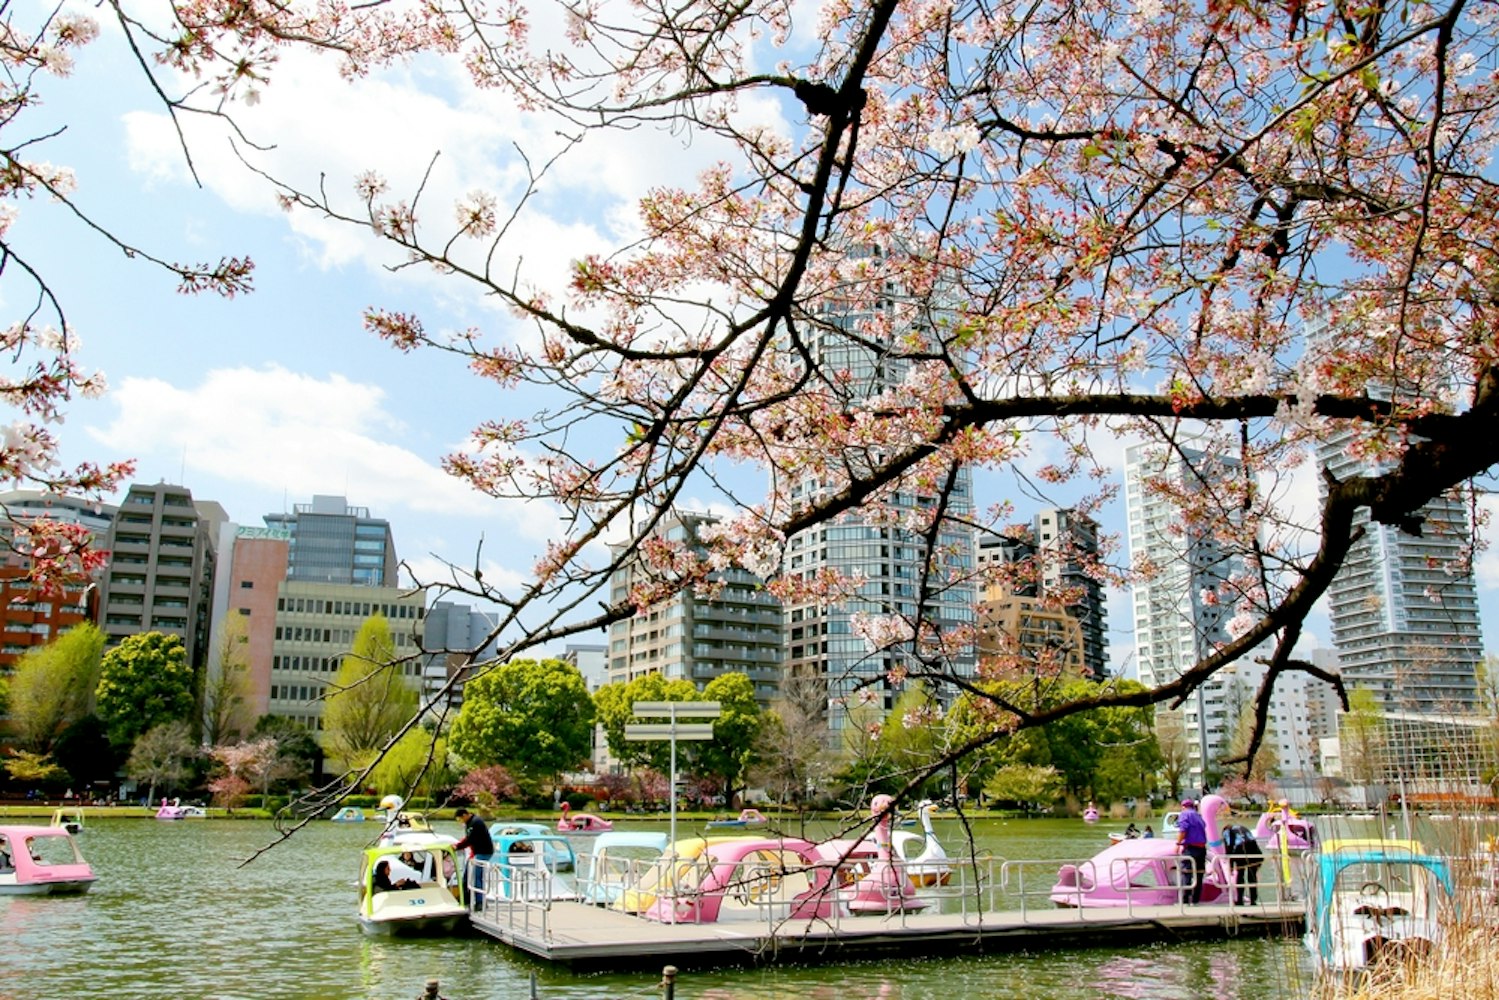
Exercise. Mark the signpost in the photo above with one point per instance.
(673, 730)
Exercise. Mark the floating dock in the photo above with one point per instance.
(580, 935)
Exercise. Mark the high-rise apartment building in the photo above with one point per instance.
(1404, 606)
(1055, 613)
(160, 576)
(1176, 622)
(904, 576)
(332, 542)
(699, 638)
(29, 618)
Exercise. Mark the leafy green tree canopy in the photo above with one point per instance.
(85, 751)
(53, 686)
(615, 704)
(144, 682)
(418, 760)
(533, 716)
(735, 746)
(370, 699)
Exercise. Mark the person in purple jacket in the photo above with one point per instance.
(1192, 841)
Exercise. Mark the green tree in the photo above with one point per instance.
(1025, 785)
(30, 768)
(370, 700)
(144, 682)
(419, 760)
(614, 705)
(1362, 737)
(226, 691)
(533, 716)
(53, 686)
(735, 746)
(161, 756)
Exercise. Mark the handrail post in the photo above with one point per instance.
(669, 982)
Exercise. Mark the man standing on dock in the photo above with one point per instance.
(1192, 841)
(480, 848)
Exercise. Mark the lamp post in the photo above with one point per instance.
(673, 731)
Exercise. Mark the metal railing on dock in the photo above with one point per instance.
(519, 901)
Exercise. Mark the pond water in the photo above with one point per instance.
(175, 914)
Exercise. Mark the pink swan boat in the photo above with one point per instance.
(881, 888)
(572, 822)
(743, 879)
(1301, 835)
(1143, 872)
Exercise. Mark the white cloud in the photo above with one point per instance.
(326, 131)
(277, 430)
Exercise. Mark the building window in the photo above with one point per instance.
(247, 585)
(245, 612)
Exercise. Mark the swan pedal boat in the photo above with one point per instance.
(559, 856)
(747, 817)
(348, 814)
(743, 879)
(41, 861)
(176, 810)
(618, 860)
(1374, 900)
(70, 820)
(436, 906)
(520, 868)
(1145, 871)
(571, 822)
(922, 856)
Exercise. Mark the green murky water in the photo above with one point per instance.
(174, 915)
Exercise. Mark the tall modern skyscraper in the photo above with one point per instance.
(332, 542)
(876, 543)
(1404, 606)
(695, 637)
(1058, 612)
(1175, 625)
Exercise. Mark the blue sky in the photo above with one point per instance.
(265, 400)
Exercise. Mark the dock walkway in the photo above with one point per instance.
(583, 935)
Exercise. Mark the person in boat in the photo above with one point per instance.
(1192, 843)
(1149, 834)
(6, 864)
(1131, 832)
(383, 882)
(480, 847)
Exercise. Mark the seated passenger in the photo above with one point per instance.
(383, 882)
